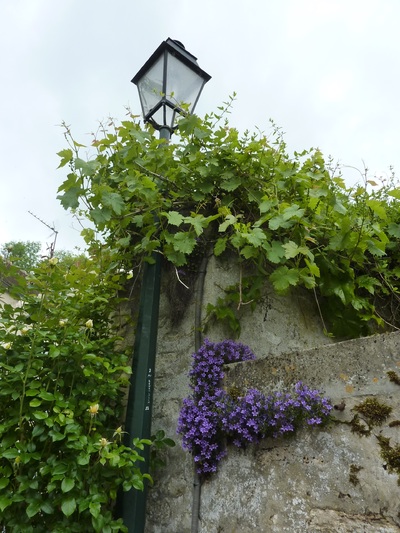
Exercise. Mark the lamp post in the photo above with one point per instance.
(169, 84)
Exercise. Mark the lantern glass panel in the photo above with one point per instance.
(150, 86)
(183, 84)
(164, 116)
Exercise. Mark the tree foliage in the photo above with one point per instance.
(290, 219)
(23, 254)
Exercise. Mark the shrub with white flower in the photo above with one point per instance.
(62, 396)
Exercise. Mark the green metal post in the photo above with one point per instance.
(140, 400)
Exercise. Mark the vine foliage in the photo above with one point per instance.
(291, 220)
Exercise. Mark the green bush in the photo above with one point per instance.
(62, 380)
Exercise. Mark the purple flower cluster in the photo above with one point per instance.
(254, 416)
(210, 416)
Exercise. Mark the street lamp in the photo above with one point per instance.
(169, 84)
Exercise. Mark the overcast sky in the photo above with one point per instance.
(326, 71)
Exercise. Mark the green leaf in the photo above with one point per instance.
(395, 193)
(68, 506)
(40, 415)
(100, 215)
(4, 482)
(220, 246)
(279, 221)
(339, 207)
(368, 283)
(67, 484)
(5, 502)
(47, 508)
(33, 508)
(88, 168)
(265, 206)
(249, 252)
(70, 199)
(275, 251)
(313, 268)
(394, 229)
(174, 218)
(66, 157)
(35, 402)
(378, 208)
(376, 248)
(293, 211)
(231, 181)
(183, 242)
(95, 508)
(114, 201)
(256, 236)
(59, 469)
(229, 220)
(291, 249)
(48, 396)
(283, 277)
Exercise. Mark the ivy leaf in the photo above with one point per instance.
(368, 283)
(283, 277)
(70, 199)
(313, 268)
(100, 215)
(256, 237)
(378, 208)
(66, 157)
(220, 246)
(265, 206)
(394, 229)
(174, 218)
(291, 249)
(275, 251)
(232, 183)
(88, 168)
(230, 219)
(339, 207)
(395, 193)
(248, 252)
(376, 247)
(279, 221)
(183, 242)
(293, 211)
(113, 200)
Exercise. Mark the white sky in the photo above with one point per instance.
(326, 71)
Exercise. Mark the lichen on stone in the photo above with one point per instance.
(393, 377)
(391, 455)
(353, 477)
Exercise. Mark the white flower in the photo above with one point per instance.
(94, 409)
(104, 442)
(129, 275)
(24, 330)
(6, 345)
(63, 322)
(89, 323)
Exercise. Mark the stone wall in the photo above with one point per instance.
(330, 480)
(278, 326)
